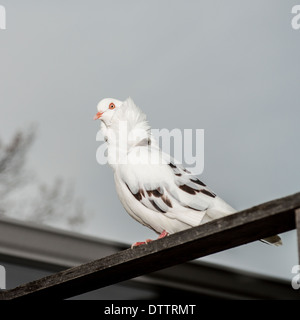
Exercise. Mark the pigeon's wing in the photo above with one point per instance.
(167, 189)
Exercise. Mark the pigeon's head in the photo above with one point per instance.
(106, 109)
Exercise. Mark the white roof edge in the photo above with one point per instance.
(49, 229)
(27, 240)
(42, 244)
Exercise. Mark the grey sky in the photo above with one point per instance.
(229, 67)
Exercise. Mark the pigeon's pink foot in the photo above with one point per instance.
(162, 235)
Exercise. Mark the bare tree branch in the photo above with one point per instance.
(24, 197)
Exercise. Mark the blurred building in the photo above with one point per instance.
(29, 252)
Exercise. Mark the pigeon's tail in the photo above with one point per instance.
(275, 240)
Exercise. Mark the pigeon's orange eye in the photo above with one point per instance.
(111, 106)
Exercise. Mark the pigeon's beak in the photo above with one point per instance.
(98, 115)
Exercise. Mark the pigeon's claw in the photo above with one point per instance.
(137, 244)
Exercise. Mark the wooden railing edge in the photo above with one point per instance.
(252, 224)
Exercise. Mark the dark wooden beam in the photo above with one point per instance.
(246, 226)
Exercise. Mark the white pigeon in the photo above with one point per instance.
(154, 189)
